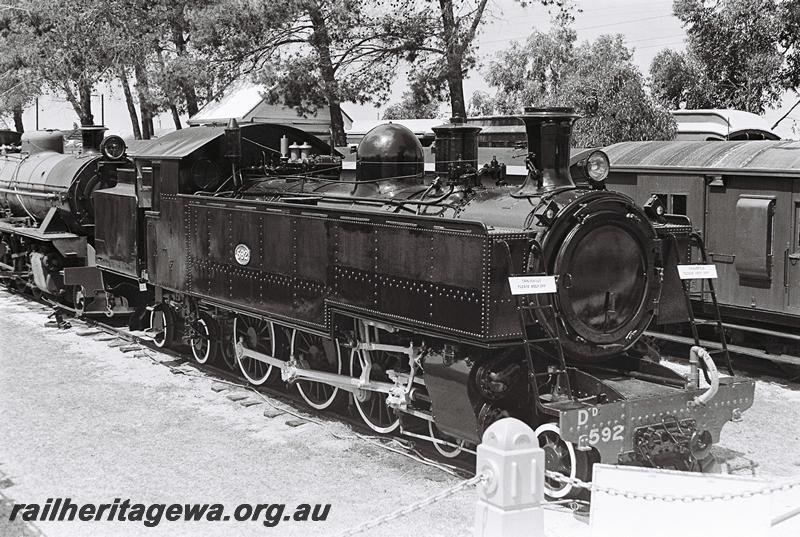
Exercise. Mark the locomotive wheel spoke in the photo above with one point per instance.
(318, 354)
(445, 450)
(372, 405)
(557, 459)
(162, 326)
(226, 346)
(257, 335)
(204, 340)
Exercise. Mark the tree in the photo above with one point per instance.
(677, 80)
(308, 53)
(790, 42)
(154, 42)
(732, 58)
(445, 53)
(481, 104)
(598, 79)
(66, 43)
(412, 107)
(19, 84)
(349, 53)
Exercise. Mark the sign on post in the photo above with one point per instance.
(697, 272)
(532, 285)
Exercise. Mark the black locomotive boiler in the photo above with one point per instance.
(46, 208)
(391, 291)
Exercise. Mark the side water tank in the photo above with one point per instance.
(40, 141)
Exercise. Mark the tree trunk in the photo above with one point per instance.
(85, 92)
(191, 99)
(175, 116)
(18, 126)
(321, 41)
(143, 89)
(73, 100)
(126, 89)
(453, 57)
(178, 25)
(455, 81)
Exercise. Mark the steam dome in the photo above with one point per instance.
(388, 151)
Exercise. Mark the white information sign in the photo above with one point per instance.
(532, 285)
(696, 272)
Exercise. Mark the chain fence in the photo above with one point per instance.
(430, 500)
(783, 486)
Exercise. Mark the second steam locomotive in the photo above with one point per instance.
(432, 306)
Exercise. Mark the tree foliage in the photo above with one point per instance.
(598, 79)
(444, 51)
(733, 58)
(20, 82)
(310, 53)
(412, 107)
(790, 42)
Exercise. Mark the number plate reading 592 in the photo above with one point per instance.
(611, 433)
(606, 434)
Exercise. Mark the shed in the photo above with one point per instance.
(243, 100)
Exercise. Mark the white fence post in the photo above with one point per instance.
(510, 499)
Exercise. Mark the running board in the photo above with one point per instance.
(746, 351)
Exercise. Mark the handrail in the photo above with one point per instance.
(695, 355)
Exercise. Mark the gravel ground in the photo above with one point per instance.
(768, 437)
(81, 420)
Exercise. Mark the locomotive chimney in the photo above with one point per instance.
(91, 137)
(549, 131)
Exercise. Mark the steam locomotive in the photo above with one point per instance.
(432, 306)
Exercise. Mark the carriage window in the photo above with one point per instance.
(679, 204)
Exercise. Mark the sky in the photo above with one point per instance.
(647, 26)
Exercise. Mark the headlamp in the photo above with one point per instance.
(597, 166)
(113, 147)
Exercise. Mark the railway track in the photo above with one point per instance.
(280, 398)
(277, 396)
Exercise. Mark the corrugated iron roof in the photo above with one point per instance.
(771, 157)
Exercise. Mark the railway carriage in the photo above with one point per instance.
(405, 298)
(744, 199)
